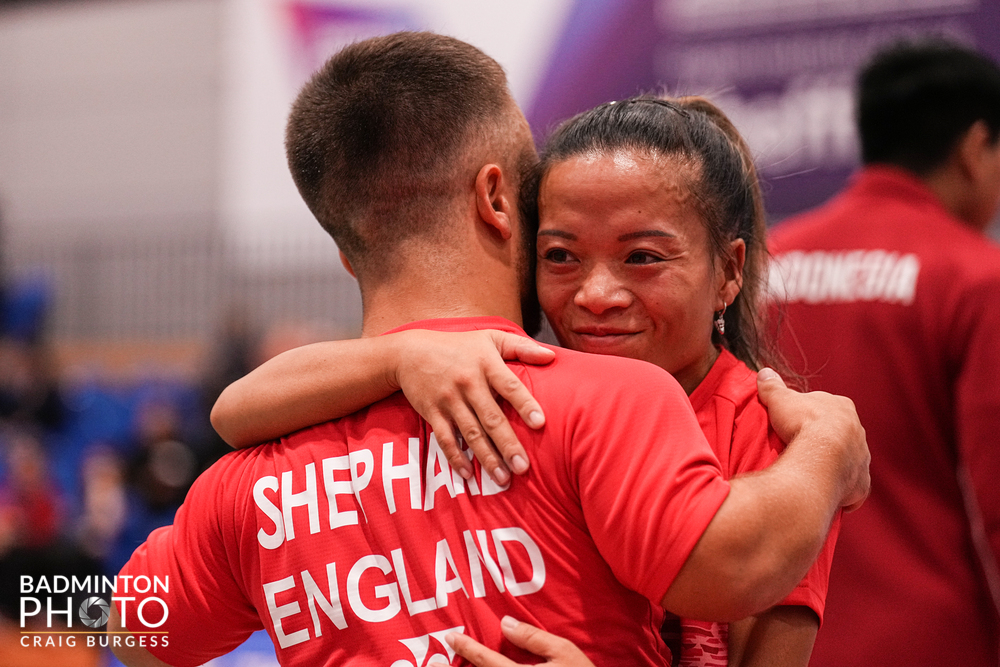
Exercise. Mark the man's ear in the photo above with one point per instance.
(973, 150)
(347, 264)
(976, 166)
(491, 199)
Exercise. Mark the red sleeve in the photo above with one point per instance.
(977, 413)
(208, 613)
(647, 510)
(755, 447)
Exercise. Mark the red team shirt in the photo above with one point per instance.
(896, 304)
(353, 542)
(736, 425)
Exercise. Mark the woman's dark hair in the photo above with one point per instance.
(727, 189)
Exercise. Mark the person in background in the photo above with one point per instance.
(891, 296)
(411, 151)
(650, 245)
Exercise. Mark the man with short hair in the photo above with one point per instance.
(892, 297)
(353, 542)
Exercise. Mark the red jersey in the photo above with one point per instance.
(736, 425)
(896, 304)
(354, 543)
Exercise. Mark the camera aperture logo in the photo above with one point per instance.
(63, 610)
(98, 605)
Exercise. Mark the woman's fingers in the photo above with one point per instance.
(506, 383)
(514, 347)
(476, 653)
(556, 650)
(448, 441)
(502, 380)
(475, 434)
(458, 378)
(508, 386)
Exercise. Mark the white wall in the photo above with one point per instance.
(141, 160)
(108, 118)
(166, 117)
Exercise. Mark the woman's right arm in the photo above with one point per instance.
(449, 378)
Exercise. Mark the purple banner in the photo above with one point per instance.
(319, 30)
(783, 70)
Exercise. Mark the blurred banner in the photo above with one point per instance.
(782, 69)
(272, 46)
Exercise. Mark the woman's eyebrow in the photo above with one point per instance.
(645, 233)
(557, 232)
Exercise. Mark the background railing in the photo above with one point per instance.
(180, 288)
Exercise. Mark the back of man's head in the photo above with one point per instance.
(916, 100)
(389, 132)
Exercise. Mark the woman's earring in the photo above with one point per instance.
(720, 323)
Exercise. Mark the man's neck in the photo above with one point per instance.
(956, 195)
(392, 307)
(475, 273)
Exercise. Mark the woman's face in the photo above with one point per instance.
(624, 265)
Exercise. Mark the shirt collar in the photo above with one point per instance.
(464, 324)
(885, 180)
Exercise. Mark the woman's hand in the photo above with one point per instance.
(452, 379)
(449, 378)
(558, 652)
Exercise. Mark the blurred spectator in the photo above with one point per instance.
(29, 500)
(892, 297)
(160, 467)
(104, 503)
(283, 336)
(29, 391)
(238, 349)
(234, 353)
(163, 466)
(32, 542)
